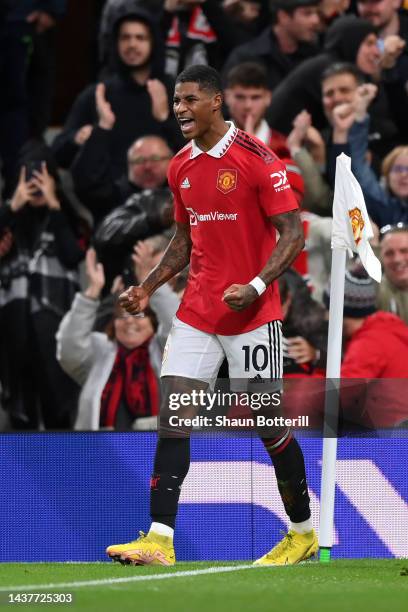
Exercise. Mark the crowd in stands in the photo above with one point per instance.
(91, 212)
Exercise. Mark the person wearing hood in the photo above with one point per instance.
(135, 95)
(39, 276)
(349, 39)
(289, 41)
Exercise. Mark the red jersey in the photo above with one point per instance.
(227, 195)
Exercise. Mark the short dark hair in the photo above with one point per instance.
(288, 6)
(342, 68)
(206, 77)
(248, 74)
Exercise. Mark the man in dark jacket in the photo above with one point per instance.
(136, 91)
(289, 41)
(95, 183)
(302, 88)
(18, 23)
(145, 214)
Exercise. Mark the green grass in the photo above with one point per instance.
(339, 586)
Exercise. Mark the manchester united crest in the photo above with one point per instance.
(227, 180)
(357, 224)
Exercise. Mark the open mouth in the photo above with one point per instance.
(186, 124)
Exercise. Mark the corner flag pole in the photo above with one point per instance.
(351, 232)
(328, 483)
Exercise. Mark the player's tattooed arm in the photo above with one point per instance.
(175, 258)
(290, 243)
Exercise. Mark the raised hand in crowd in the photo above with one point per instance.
(304, 134)
(42, 21)
(297, 137)
(83, 134)
(144, 258)
(45, 184)
(107, 117)
(95, 275)
(301, 350)
(344, 116)
(365, 94)
(393, 47)
(24, 191)
(159, 98)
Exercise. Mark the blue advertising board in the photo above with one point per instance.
(66, 496)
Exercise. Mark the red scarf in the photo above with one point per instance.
(198, 29)
(132, 381)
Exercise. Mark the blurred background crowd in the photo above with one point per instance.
(86, 136)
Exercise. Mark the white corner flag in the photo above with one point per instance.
(351, 232)
(351, 225)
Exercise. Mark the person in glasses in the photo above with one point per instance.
(393, 290)
(148, 158)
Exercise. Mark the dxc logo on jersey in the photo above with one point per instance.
(282, 182)
(212, 216)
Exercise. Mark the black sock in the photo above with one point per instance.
(171, 465)
(287, 459)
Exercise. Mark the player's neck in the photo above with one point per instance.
(213, 135)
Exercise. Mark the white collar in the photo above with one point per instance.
(220, 148)
(263, 132)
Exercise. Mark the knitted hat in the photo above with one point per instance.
(359, 294)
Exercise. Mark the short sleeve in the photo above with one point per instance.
(275, 193)
(180, 213)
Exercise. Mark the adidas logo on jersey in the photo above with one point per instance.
(185, 184)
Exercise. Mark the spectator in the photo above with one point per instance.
(205, 31)
(304, 328)
(38, 279)
(387, 201)
(374, 339)
(143, 215)
(42, 64)
(18, 23)
(349, 39)
(284, 44)
(247, 97)
(118, 370)
(385, 16)
(392, 27)
(166, 299)
(329, 10)
(393, 290)
(147, 161)
(131, 102)
(114, 10)
(308, 150)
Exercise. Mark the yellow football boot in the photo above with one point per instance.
(294, 548)
(148, 549)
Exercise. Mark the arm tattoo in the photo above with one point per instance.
(175, 258)
(291, 242)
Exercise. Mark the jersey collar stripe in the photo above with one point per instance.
(220, 148)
